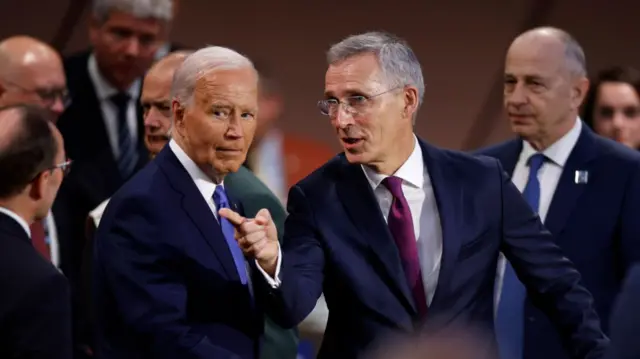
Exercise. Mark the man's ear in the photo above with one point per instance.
(580, 89)
(411, 100)
(178, 116)
(38, 186)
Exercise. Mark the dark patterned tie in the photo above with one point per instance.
(400, 225)
(128, 156)
(510, 316)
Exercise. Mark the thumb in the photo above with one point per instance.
(232, 216)
(263, 217)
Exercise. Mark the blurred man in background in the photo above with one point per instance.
(585, 188)
(35, 313)
(31, 72)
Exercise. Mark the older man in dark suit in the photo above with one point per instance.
(588, 188)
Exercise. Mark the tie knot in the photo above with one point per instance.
(536, 161)
(220, 197)
(394, 185)
(121, 99)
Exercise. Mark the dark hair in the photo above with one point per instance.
(624, 74)
(31, 149)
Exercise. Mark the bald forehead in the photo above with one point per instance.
(168, 65)
(550, 45)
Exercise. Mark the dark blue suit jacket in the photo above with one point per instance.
(596, 224)
(165, 284)
(625, 319)
(336, 240)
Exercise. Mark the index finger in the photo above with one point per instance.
(233, 217)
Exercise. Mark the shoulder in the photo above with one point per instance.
(76, 60)
(330, 171)
(614, 150)
(462, 162)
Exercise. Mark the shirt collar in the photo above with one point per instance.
(18, 219)
(205, 185)
(411, 171)
(559, 151)
(103, 88)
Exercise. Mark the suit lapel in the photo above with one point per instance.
(568, 191)
(448, 191)
(360, 203)
(509, 156)
(197, 209)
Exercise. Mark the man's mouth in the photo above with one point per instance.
(158, 138)
(351, 140)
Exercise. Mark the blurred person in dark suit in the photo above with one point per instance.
(243, 185)
(399, 234)
(169, 279)
(103, 126)
(586, 189)
(612, 105)
(31, 72)
(625, 319)
(35, 313)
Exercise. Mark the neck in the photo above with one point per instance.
(397, 158)
(546, 139)
(22, 210)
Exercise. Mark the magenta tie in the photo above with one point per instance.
(401, 227)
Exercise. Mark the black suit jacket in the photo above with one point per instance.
(35, 313)
(625, 319)
(94, 176)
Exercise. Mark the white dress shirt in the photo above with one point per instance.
(417, 189)
(207, 187)
(104, 91)
(549, 175)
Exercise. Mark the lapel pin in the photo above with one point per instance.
(581, 177)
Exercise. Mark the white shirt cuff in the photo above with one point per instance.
(273, 282)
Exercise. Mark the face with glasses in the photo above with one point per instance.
(125, 46)
(371, 118)
(617, 113)
(48, 181)
(40, 83)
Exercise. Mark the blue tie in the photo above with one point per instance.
(128, 156)
(221, 201)
(510, 317)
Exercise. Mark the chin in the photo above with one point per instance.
(356, 158)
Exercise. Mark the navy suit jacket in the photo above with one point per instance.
(165, 284)
(336, 240)
(596, 224)
(625, 319)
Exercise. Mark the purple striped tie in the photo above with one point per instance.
(401, 227)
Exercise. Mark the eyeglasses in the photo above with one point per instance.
(64, 166)
(47, 96)
(353, 105)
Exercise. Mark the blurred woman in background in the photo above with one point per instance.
(612, 106)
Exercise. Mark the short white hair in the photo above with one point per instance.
(200, 63)
(141, 9)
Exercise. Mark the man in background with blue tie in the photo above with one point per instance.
(585, 188)
(170, 281)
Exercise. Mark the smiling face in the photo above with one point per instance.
(217, 128)
(377, 119)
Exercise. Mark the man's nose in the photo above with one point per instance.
(133, 46)
(342, 118)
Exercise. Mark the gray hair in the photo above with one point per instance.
(399, 64)
(141, 9)
(200, 63)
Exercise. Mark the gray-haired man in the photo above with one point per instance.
(400, 235)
